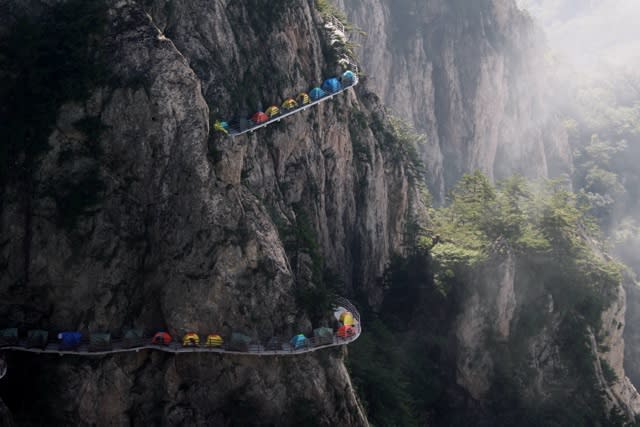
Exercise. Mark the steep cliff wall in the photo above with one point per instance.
(512, 339)
(131, 212)
(471, 76)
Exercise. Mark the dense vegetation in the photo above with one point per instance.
(404, 364)
(603, 121)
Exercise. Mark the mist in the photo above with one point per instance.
(595, 46)
(590, 33)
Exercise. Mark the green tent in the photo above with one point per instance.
(8, 336)
(100, 342)
(239, 342)
(133, 338)
(323, 336)
(37, 338)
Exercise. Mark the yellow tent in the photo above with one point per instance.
(190, 339)
(347, 318)
(214, 340)
(272, 111)
(303, 99)
(221, 126)
(289, 103)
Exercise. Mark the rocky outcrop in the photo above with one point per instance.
(472, 78)
(142, 217)
(631, 332)
(499, 306)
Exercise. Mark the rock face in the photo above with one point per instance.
(471, 77)
(182, 229)
(495, 337)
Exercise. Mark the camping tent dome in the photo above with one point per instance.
(259, 117)
(161, 338)
(299, 341)
(272, 111)
(331, 85)
(69, 339)
(316, 93)
(348, 78)
(303, 99)
(289, 104)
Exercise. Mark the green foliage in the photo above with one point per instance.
(375, 365)
(608, 372)
(299, 238)
(400, 141)
(547, 225)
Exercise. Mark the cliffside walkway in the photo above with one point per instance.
(252, 349)
(235, 129)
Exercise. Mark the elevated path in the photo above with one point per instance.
(254, 349)
(236, 130)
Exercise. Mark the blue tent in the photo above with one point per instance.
(316, 93)
(299, 341)
(331, 85)
(69, 340)
(348, 78)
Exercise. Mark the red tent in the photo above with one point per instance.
(346, 331)
(161, 338)
(259, 117)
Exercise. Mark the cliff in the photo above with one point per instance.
(472, 77)
(124, 209)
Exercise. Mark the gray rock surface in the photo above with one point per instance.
(469, 76)
(189, 228)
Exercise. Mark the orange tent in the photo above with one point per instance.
(161, 338)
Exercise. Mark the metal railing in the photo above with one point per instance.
(236, 130)
(122, 345)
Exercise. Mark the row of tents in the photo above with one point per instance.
(103, 341)
(328, 87)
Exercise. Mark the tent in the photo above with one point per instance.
(317, 93)
(161, 338)
(323, 335)
(190, 339)
(37, 338)
(348, 78)
(100, 342)
(299, 341)
(346, 331)
(221, 126)
(272, 111)
(214, 340)
(8, 336)
(69, 340)
(289, 104)
(346, 318)
(239, 342)
(331, 85)
(133, 338)
(303, 99)
(259, 117)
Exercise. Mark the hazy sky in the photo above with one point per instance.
(589, 31)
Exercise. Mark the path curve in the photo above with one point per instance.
(315, 344)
